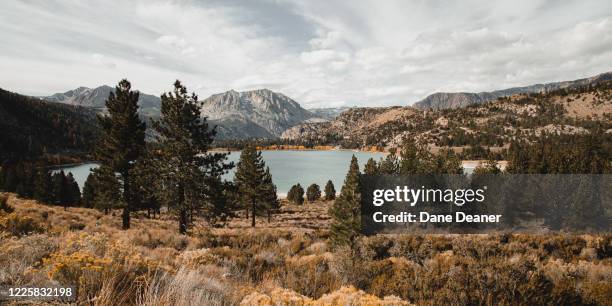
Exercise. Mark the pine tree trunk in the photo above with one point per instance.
(183, 218)
(125, 216)
(253, 213)
(126, 196)
(269, 216)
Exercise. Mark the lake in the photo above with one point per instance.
(288, 167)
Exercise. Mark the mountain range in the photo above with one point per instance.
(264, 113)
(442, 100)
(258, 113)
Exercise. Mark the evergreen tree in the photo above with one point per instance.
(370, 167)
(446, 162)
(330, 190)
(145, 183)
(291, 194)
(313, 193)
(43, 186)
(345, 212)
(270, 194)
(89, 191)
(298, 194)
(414, 158)
(122, 140)
(389, 165)
(249, 178)
(25, 180)
(73, 191)
(185, 165)
(60, 189)
(105, 185)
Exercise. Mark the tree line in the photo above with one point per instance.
(29, 180)
(548, 154)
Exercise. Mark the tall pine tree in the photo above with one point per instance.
(346, 212)
(122, 141)
(183, 160)
(254, 182)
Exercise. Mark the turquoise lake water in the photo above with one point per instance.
(287, 167)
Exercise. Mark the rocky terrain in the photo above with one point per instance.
(492, 124)
(259, 113)
(442, 100)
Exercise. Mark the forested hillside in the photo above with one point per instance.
(475, 128)
(30, 127)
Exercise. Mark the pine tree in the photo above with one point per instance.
(249, 179)
(413, 158)
(330, 191)
(89, 191)
(43, 186)
(345, 212)
(122, 140)
(291, 194)
(73, 191)
(298, 194)
(105, 186)
(60, 189)
(26, 178)
(270, 194)
(313, 193)
(370, 167)
(389, 165)
(446, 162)
(145, 183)
(185, 165)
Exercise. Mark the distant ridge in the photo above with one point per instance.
(442, 100)
(96, 98)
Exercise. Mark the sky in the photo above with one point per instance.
(326, 53)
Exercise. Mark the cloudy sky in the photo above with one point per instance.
(320, 53)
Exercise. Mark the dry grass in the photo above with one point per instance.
(288, 262)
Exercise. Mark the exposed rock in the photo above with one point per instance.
(257, 113)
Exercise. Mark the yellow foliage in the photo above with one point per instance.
(342, 296)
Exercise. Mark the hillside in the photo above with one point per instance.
(442, 100)
(30, 127)
(492, 124)
(258, 113)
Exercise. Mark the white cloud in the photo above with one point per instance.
(318, 52)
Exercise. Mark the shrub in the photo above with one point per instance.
(313, 193)
(19, 226)
(4, 206)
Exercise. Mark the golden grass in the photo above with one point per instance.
(288, 262)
